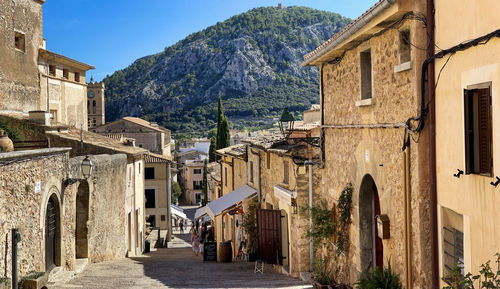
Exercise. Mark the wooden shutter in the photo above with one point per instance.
(468, 133)
(269, 234)
(484, 121)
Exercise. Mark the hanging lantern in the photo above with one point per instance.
(286, 123)
(87, 167)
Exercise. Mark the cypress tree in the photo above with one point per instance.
(224, 139)
(220, 116)
(211, 150)
(204, 188)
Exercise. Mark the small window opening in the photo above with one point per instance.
(65, 73)
(52, 70)
(404, 46)
(285, 173)
(77, 76)
(366, 74)
(20, 41)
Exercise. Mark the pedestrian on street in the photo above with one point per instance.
(181, 226)
(195, 239)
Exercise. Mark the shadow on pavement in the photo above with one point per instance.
(180, 268)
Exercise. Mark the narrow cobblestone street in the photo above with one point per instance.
(176, 267)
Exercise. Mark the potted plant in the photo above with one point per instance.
(322, 274)
(4, 283)
(379, 278)
(249, 225)
(34, 280)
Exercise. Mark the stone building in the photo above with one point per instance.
(64, 219)
(155, 189)
(467, 143)
(370, 77)
(63, 88)
(95, 103)
(213, 180)
(21, 31)
(148, 135)
(192, 175)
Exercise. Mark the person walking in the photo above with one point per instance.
(195, 239)
(181, 226)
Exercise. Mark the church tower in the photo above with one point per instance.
(95, 103)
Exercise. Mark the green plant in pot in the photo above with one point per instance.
(249, 225)
(380, 278)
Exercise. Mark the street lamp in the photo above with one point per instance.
(286, 122)
(87, 167)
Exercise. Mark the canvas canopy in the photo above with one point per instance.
(218, 206)
(200, 212)
(178, 212)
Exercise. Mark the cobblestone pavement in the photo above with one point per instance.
(176, 267)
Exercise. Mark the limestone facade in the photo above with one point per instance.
(363, 137)
(95, 104)
(50, 176)
(192, 175)
(155, 178)
(66, 94)
(146, 135)
(466, 205)
(20, 87)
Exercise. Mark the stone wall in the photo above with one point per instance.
(19, 83)
(353, 153)
(30, 178)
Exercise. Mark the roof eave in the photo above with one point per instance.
(352, 28)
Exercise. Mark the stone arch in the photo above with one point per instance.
(51, 224)
(82, 205)
(371, 247)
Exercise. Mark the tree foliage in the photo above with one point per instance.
(176, 192)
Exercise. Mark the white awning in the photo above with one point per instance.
(284, 194)
(219, 205)
(178, 213)
(200, 212)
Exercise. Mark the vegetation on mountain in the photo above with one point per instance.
(252, 60)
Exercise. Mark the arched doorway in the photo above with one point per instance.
(284, 239)
(371, 247)
(82, 217)
(52, 234)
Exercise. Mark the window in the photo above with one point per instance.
(478, 130)
(453, 249)
(77, 76)
(149, 173)
(197, 171)
(65, 73)
(366, 74)
(53, 115)
(225, 177)
(163, 217)
(52, 70)
(198, 198)
(20, 41)
(251, 171)
(285, 172)
(94, 105)
(196, 185)
(150, 198)
(404, 46)
(219, 194)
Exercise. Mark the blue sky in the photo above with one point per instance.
(111, 34)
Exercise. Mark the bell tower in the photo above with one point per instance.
(95, 103)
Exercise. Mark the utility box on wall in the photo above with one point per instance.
(383, 226)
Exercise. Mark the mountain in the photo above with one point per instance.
(251, 59)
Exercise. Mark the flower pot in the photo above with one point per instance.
(37, 283)
(6, 145)
(317, 285)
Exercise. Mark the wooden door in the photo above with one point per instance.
(269, 234)
(50, 236)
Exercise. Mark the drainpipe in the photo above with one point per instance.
(48, 98)
(309, 163)
(432, 145)
(407, 216)
(169, 205)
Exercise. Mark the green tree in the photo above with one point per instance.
(224, 139)
(176, 192)
(211, 150)
(204, 187)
